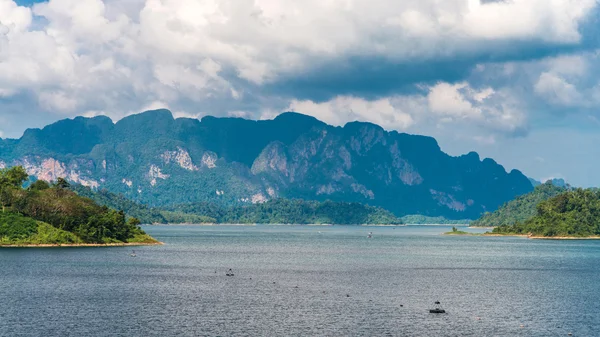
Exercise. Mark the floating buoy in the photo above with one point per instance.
(347, 295)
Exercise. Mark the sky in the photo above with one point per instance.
(515, 80)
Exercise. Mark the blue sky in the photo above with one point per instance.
(516, 80)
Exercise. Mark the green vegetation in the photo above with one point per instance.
(280, 211)
(52, 214)
(428, 220)
(455, 231)
(154, 159)
(103, 197)
(286, 211)
(574, 213)
(520, 209)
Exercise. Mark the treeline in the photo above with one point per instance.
(145, 214)
(278, 211)
(27, 211)
(103, 197)
(293, 211)
(575, 213)
(430, 220)
(522, 208)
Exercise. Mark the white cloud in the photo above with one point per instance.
(343, 109)
(57, 101)
(557, 89)
(497, 111)
(448, 100)
(214, 56)
(14, 18)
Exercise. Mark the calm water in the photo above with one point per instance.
(295, 280)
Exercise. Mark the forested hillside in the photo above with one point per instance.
(284, 211)
(46, 213)
(522, 208)
(573, 213)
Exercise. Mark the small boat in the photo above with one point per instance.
(438, 309)
(229, 273)
(370, 236)
(132, 253)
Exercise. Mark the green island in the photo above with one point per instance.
(455, 231)
(569, 215)
(46, 214)
(276, 211)
(549, 212)
(520, 209)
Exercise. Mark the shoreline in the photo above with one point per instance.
(271, 224)
(59, 245)
(532, 237)
(564, 237)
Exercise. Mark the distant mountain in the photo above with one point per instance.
(522, 208)
(555, 181)
(156, 159)
(534, 182)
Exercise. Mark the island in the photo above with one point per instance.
(455, 231)
(574, 214)
(570, 214)
(520, 209)
(46, 215)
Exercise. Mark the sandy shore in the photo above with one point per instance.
(83, 245)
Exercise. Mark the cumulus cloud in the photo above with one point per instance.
(385, 111)
(338, 60)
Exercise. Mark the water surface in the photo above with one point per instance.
(304, 281)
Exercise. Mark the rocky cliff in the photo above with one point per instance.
(153, 158)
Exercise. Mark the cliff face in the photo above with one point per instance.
(154, 158)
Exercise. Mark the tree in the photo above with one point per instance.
(62, 183)
(11, 179)
(134, 222)
(39, 185)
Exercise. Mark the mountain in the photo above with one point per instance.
(522, 208)
(555, 181)
(158, 160)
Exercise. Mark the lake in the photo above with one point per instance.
(304, 281)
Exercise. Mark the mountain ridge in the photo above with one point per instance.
(155, 158)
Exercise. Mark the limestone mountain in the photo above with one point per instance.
(159, 160)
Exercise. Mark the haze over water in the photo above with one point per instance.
(295, 280)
